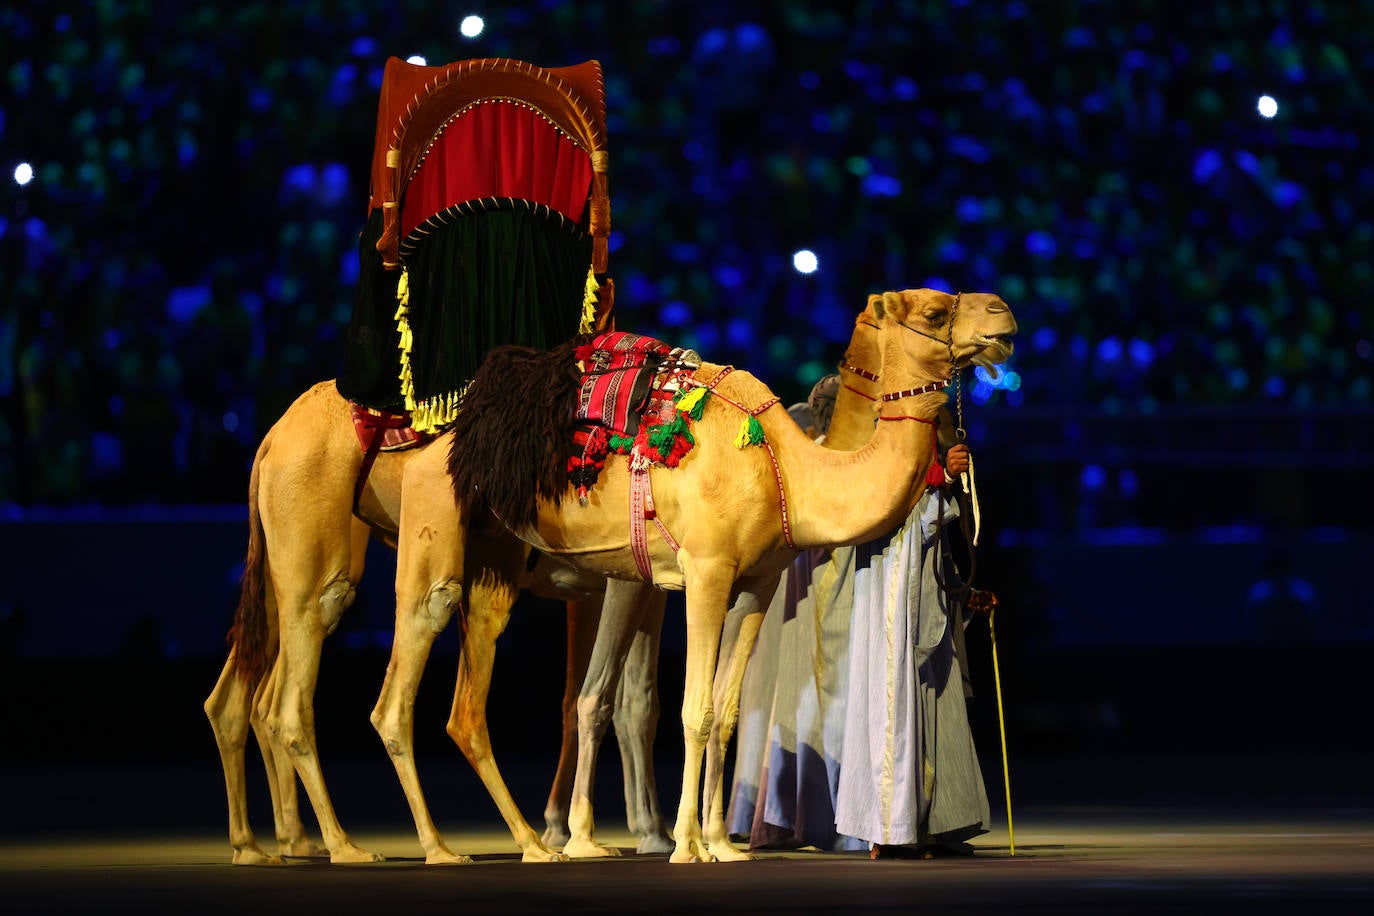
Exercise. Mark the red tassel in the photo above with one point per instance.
(935, 477)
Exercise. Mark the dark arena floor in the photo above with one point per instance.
(1208, 834)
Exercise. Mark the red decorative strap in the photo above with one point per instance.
(924, 389)
(861, 373)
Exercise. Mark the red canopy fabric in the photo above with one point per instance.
(417, 101)
(498, 148)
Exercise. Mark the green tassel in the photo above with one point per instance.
(750, 433)
(620, 444)
(661, 437)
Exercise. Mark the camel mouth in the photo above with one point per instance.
(995, 349)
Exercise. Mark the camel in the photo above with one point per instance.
(322, 409)
(639, 612)
(732, 518)
(314, 441)
(852, 426)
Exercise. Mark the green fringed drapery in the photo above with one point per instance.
(371, 355)
(495, 272)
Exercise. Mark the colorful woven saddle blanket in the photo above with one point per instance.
(628, 404)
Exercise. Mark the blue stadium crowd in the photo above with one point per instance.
(178, 239)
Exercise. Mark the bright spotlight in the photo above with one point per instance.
(471, 26)
(805, 261)
(416, 59)
(23, 173)
(1267, 106)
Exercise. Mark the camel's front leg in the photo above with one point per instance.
(742, 629)
(636, 724)
(492, 590)
(621, 613)
(708, 596)
(584, 616)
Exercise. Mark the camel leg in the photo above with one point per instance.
(281, 782)
(708, 597)
(584, 616)
(291, 715)
(636, 724)
(742, 626)
(491, 591)
(229, 708)
(427, 595)
(621, 614)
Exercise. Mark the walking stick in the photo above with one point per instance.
(986, 602)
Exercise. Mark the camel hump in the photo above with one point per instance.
(738, 385)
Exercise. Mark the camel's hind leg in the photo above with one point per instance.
(584, 617)
(281, 784)
(636, 724)
(621, 614)
(229, 708)
(741, 631)
(492, 586)
(310, 601)
(429, 589)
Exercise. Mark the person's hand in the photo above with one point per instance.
(957, 459)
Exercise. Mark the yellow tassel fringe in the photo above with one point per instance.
(589, 302)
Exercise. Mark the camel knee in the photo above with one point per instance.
(336, 598)
(696, 725)
(439, 605)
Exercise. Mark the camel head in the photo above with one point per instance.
(949, 332)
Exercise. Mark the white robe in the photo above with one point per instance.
(909, 772)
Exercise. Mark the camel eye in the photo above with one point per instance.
(936, 317)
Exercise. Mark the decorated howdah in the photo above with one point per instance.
(487, 225)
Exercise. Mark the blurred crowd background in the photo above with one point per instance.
(1177, 200)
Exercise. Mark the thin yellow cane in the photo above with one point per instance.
(1001, 727)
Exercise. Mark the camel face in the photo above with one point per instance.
(969, 328)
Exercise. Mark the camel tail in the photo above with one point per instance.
(248, 637)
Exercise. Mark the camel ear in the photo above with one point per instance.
(895, 306)
(875, 305)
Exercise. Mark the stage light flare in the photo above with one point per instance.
(805, 261)
(23, 173)
(471, 26)
(416, 59)
(1267, 106)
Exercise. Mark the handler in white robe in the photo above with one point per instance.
(909, 773)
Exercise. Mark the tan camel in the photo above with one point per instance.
(332, 562)
(314, 441)
(852, 426)
(736, 516)
(331, 464)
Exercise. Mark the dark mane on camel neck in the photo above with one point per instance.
(512, 435)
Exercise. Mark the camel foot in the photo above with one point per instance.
(691, 851)
(252, 855)
(302, 848)
(348, 854)
(725, 851)
(555, 835)
(655, 844)
(444, 856)
(540, 853)
(581, 848)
